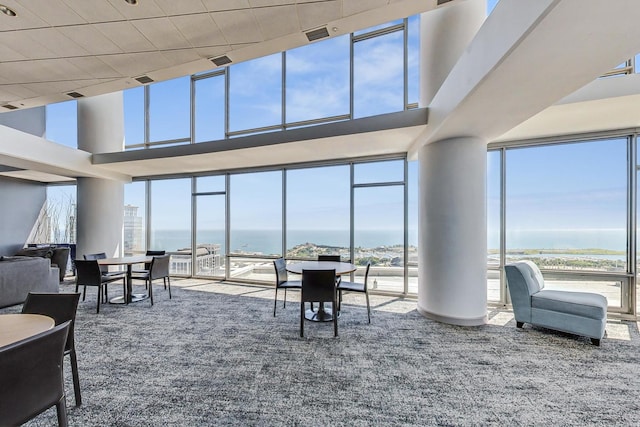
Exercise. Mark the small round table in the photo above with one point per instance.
(321, 315)
(16, 327)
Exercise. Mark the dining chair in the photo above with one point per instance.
(105, 271)
(88, 274)
(334, 258)
(61, 308)
(320, 286)
(31, 377)
(147, 265)
(158, 269)
(345, 286)
(283, 282)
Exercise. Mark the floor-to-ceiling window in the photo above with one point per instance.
(379, 222)
(255, 224)
(210, 200)
(242, 221)
(318, 212)
(170, 222)
(566, 207)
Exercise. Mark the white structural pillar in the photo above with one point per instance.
(453, 231)
(452, 226)
(100, 202)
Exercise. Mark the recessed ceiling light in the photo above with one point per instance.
(134, 2)
(7, 10)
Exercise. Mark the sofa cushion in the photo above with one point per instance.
(585, 304)
(36, 252)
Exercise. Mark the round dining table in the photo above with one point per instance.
(127, 261)
(16, 327)
(321, 315)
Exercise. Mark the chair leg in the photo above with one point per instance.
(168, 285)
(99, 298)
(334, 308)
(275, 302)
(284, 305)
(61, 409)
(76, 379)
(368, 307)
(151, 291)
(301, 319)
(84, 292)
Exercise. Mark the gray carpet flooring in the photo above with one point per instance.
(214, 355)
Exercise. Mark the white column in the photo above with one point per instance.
(100, 201)
(445, 33)
(453, 231)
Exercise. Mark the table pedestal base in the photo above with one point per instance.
(319, 315)
(134, 298)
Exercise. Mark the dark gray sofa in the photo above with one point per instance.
(59, 256)
(21, 275)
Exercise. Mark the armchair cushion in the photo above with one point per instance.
(585, 304)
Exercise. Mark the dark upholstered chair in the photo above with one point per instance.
(334, 258)
(320, 286)
(158, 269)
(61, 308)
(283, 282)
(31, 377)
(104, 268)
(88, 274)
(147, 265)
(344, 286)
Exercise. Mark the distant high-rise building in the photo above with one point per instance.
(133, 231)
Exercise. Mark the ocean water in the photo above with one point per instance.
(610, 239)
(270, 241)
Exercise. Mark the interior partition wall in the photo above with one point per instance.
(568, 206)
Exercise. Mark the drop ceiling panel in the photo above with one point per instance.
(25, 43)
(351, 7)
(94, 67)
(134, 64)
(57, 43)
(311, 14)
(25, 18)
(173, 7)
(54, 12)
(126, 36)
(178, 57)
(218, 5)
(200, 30)
(95, 11)
(8, 54)
(91, 39)
(143, 10)
(161, 33)
(238, 26)
(277, 21)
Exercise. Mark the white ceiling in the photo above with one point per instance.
(54, 47)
